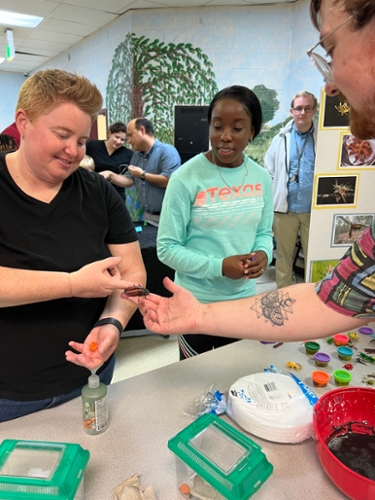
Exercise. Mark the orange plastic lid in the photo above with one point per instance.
(320, 377)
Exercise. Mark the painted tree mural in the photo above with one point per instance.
(148, 78)
(268, 101)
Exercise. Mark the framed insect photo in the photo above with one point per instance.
(334, 114)
(319, 269)
(334, 190)
(355, 153)
(347, 228)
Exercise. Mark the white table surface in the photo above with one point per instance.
(147, 410)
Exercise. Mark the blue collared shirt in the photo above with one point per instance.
(300, 193)
(160, 159)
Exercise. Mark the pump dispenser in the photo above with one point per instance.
(95, 405)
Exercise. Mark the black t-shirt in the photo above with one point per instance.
(71, 231)
(103, 161)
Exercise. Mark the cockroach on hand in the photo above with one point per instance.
(136, 291)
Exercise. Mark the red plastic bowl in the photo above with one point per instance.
(335, 409)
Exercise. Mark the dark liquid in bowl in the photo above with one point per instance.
(356, 451)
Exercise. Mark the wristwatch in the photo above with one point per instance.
(143, 176)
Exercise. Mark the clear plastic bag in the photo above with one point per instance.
(211, 401)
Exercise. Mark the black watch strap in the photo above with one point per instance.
(143, 176)
(110, 321)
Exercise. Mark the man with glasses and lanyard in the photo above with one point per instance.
(345, 299)
(290, 161)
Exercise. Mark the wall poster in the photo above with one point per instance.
(343, 204)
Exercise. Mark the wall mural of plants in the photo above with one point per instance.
(147, 78)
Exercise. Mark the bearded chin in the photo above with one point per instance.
(362, 125)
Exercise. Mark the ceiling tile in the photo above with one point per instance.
(60, 26)
(112, 6)
(71, 13)
(33, 8)
(51, 36)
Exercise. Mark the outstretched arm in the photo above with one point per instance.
(288, 314)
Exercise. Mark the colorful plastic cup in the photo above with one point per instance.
(322, 359)
(366, 330)
(342, 377)
(340, 339)
(312, 347)
(320, 379)
(345, 353)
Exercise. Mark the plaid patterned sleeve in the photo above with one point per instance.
(350, 288)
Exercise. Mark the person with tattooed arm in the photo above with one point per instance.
(345, 299)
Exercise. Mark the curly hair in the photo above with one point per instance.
(361, 10)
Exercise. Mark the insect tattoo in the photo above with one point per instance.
(274, 307)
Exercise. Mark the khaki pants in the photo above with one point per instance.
(285, 230)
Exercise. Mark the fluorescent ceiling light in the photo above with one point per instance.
(10, 53)
(8, 18)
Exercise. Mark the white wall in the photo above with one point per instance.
(10, 84)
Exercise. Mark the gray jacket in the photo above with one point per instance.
(276, 162)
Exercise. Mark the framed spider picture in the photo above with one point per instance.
(335, 190)
(356, 153)
(347, 228)
(319, 269)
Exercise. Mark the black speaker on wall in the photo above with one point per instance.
(190, 131)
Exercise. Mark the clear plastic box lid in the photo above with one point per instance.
(36, 469)
(228, 460)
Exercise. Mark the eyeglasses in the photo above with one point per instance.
(299, 109)
(324, 66)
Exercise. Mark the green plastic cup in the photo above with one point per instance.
(312, 347)
(342, 377)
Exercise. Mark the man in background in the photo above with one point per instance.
(152, 164)
(290, 161)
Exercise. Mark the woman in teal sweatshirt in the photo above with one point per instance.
(216, 224)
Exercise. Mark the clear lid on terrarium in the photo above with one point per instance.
(224, 457)
(29, 469)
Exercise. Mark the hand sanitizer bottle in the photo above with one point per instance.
(95, 406)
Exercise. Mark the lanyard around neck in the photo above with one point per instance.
(295, 176)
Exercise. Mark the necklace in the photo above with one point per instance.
(222, 178)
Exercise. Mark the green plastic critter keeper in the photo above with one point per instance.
(34, 470)
(215, 460)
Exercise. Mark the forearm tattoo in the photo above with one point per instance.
(274, 307)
